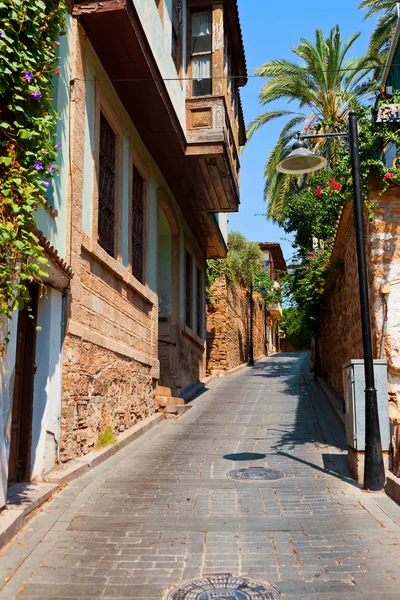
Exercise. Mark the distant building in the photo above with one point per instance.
(275, 265)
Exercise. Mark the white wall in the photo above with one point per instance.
(47, 384)
(7, 366)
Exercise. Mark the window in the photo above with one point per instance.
(106, 208)
(160, 7)
(176, 42)
(137, 225)
(199, 303)
(201, 53)
(188, 289)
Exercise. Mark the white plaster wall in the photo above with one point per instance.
(47, 384)
(7, 371)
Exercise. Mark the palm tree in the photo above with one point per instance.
(324, 86)
(383, 33)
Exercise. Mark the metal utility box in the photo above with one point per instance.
(354, 399)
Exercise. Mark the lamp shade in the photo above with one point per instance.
(301, 160)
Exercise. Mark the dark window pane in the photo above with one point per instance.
(188, 289)
(199, 303)
(106, 217)
(137, 225)
(201, 32)
(201, 73)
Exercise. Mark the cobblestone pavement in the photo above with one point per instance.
(162, 511)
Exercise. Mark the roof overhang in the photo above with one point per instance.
(393, 49)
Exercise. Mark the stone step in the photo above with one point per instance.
(164, 401)
(163, 391)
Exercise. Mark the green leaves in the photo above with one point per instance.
(28, 60)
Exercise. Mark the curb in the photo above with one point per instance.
(24, 498)
(333, 401)
(392, 485)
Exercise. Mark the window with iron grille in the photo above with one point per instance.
(176, 43)
(137, 225)
(106, 208)
(199, 303)
(188, 289)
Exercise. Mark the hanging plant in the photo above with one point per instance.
(29, 41)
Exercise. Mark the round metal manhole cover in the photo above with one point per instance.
(224, 588)
(256, 474)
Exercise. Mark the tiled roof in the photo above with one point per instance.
(53, 254)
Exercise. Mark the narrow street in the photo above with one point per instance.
(163, 511)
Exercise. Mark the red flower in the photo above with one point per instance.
(388, 176)
(318, 192)
(336, 185)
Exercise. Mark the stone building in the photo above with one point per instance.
(152, 126)
(229, 314)
(275, 265)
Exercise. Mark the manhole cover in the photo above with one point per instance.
(224, 587)
(256, 474)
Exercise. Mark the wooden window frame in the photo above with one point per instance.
(103, 107)
(160, 7)
(188, 287)
(137, 161)
(177, 36)
(190, 53)
(199, 301)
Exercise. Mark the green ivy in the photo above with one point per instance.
(29, 41)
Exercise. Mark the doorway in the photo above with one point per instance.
(21, 422)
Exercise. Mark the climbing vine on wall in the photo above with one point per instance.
(29, 41)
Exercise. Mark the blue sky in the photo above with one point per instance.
(269, 30)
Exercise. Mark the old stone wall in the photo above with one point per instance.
(341, 328)
(228, 326)
(340, 334)
(101, 390)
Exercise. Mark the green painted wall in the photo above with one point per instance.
(55, 229)
(394, 73)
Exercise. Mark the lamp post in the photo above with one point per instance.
(300, 161)
(251, 347)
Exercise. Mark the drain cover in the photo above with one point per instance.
(256, 474)
(224, 587)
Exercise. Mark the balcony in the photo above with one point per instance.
(275, 311)
(211, 142)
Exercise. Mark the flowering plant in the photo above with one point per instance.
(28, 56)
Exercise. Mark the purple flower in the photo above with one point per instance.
(46, 184)
(1, 34)
(57, 43)
(28, 75)
(51, 168)
(36, 95)
(38, 165)
(59, 146)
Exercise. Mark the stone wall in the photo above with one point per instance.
(101, 390)
(340, 335)
(228, 327)
(341, 328)
(341, 325)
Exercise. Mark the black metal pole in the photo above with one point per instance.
(374, 471)
(251, 349)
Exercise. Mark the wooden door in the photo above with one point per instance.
(21, 424)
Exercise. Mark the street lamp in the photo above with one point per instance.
(300, 161)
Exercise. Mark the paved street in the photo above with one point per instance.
(162, 511)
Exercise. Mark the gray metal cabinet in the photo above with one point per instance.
(354, 398)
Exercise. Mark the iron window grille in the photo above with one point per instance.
(199, 304)
(188, 289)
(176, 42)
(137, 225)
(106, 208)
